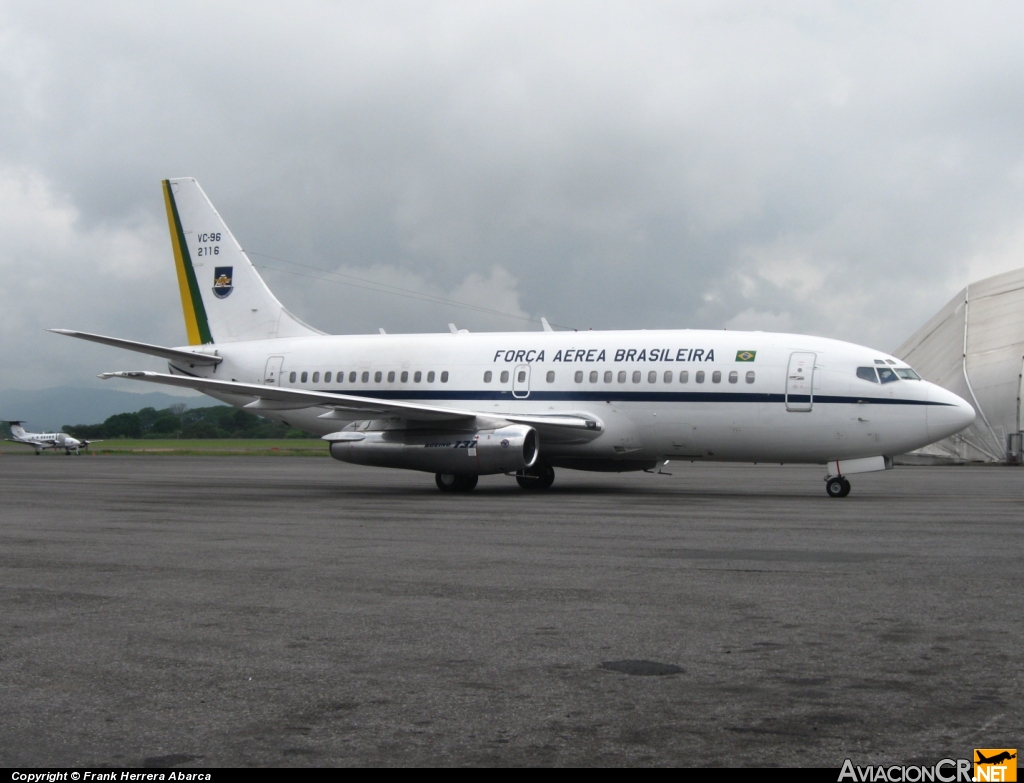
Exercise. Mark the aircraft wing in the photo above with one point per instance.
(194, 358)
(39, 444)
(274, 398)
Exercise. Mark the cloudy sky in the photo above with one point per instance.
(834, 170)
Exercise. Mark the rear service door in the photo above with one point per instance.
(800, 382)
(272, 375)
(521, 382)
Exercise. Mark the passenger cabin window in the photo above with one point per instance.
(907, 374)
(733, 376)
(391, 377)
(668, 376)
(608, 376)
(305, 375)
(430, 377)
(366, 377)
(551, 376)
(887, 375)
(750, 376)
(684, 376)
(521, 378)
(636, 376)
(716, 376)
(444, 377)
(352, 377)
(593, 376)
(327, 377)
(316, 377)
(700, 376)
(867, 374)
(487, 376)
(622, 376)
(405, 376)
(652, 376)
(377, 376)
(578, 377)
(291, 378)
(504, 376)
(417, 377)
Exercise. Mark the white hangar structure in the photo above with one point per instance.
(974, 346)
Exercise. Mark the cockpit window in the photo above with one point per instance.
(907, 374)
(887, 375)
(867, 374)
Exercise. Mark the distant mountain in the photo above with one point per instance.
(50, 409)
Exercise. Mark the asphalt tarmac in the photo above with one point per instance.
(201, 611)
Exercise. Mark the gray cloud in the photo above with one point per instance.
(836, 171)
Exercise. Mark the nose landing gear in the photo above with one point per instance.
(837, 486)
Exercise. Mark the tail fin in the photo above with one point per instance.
(16, 429)
(222, 294)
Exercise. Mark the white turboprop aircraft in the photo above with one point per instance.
(46, 440)
(462, 405)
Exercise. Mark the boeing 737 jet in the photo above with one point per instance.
(462, 405)
(46, 440)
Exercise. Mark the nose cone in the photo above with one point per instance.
(947, 414)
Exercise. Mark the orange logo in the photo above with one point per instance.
(995, 764)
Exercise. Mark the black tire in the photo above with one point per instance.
(536, 478)
(456, 482)
(446, 482)
(835, 487)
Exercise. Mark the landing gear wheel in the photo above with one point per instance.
(536, 478)
(456, 482)
(837, 487)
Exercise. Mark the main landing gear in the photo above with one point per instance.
(536, 478)
(837, 486)
(455, 482)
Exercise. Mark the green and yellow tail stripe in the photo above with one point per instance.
(196, 325)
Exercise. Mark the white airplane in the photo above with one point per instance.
(462, 405)
(46, 440)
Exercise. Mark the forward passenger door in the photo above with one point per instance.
(800, 382)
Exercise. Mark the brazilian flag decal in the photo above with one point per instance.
(745, 356)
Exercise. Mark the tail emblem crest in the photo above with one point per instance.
(222, 286)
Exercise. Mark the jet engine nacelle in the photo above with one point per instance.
(503, 450)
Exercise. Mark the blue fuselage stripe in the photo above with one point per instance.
(610, 396)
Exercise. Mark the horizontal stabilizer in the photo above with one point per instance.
(193, 358)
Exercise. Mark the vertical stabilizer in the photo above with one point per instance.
(224, 298)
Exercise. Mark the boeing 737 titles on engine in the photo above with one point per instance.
(463, 405)
(46, 440)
